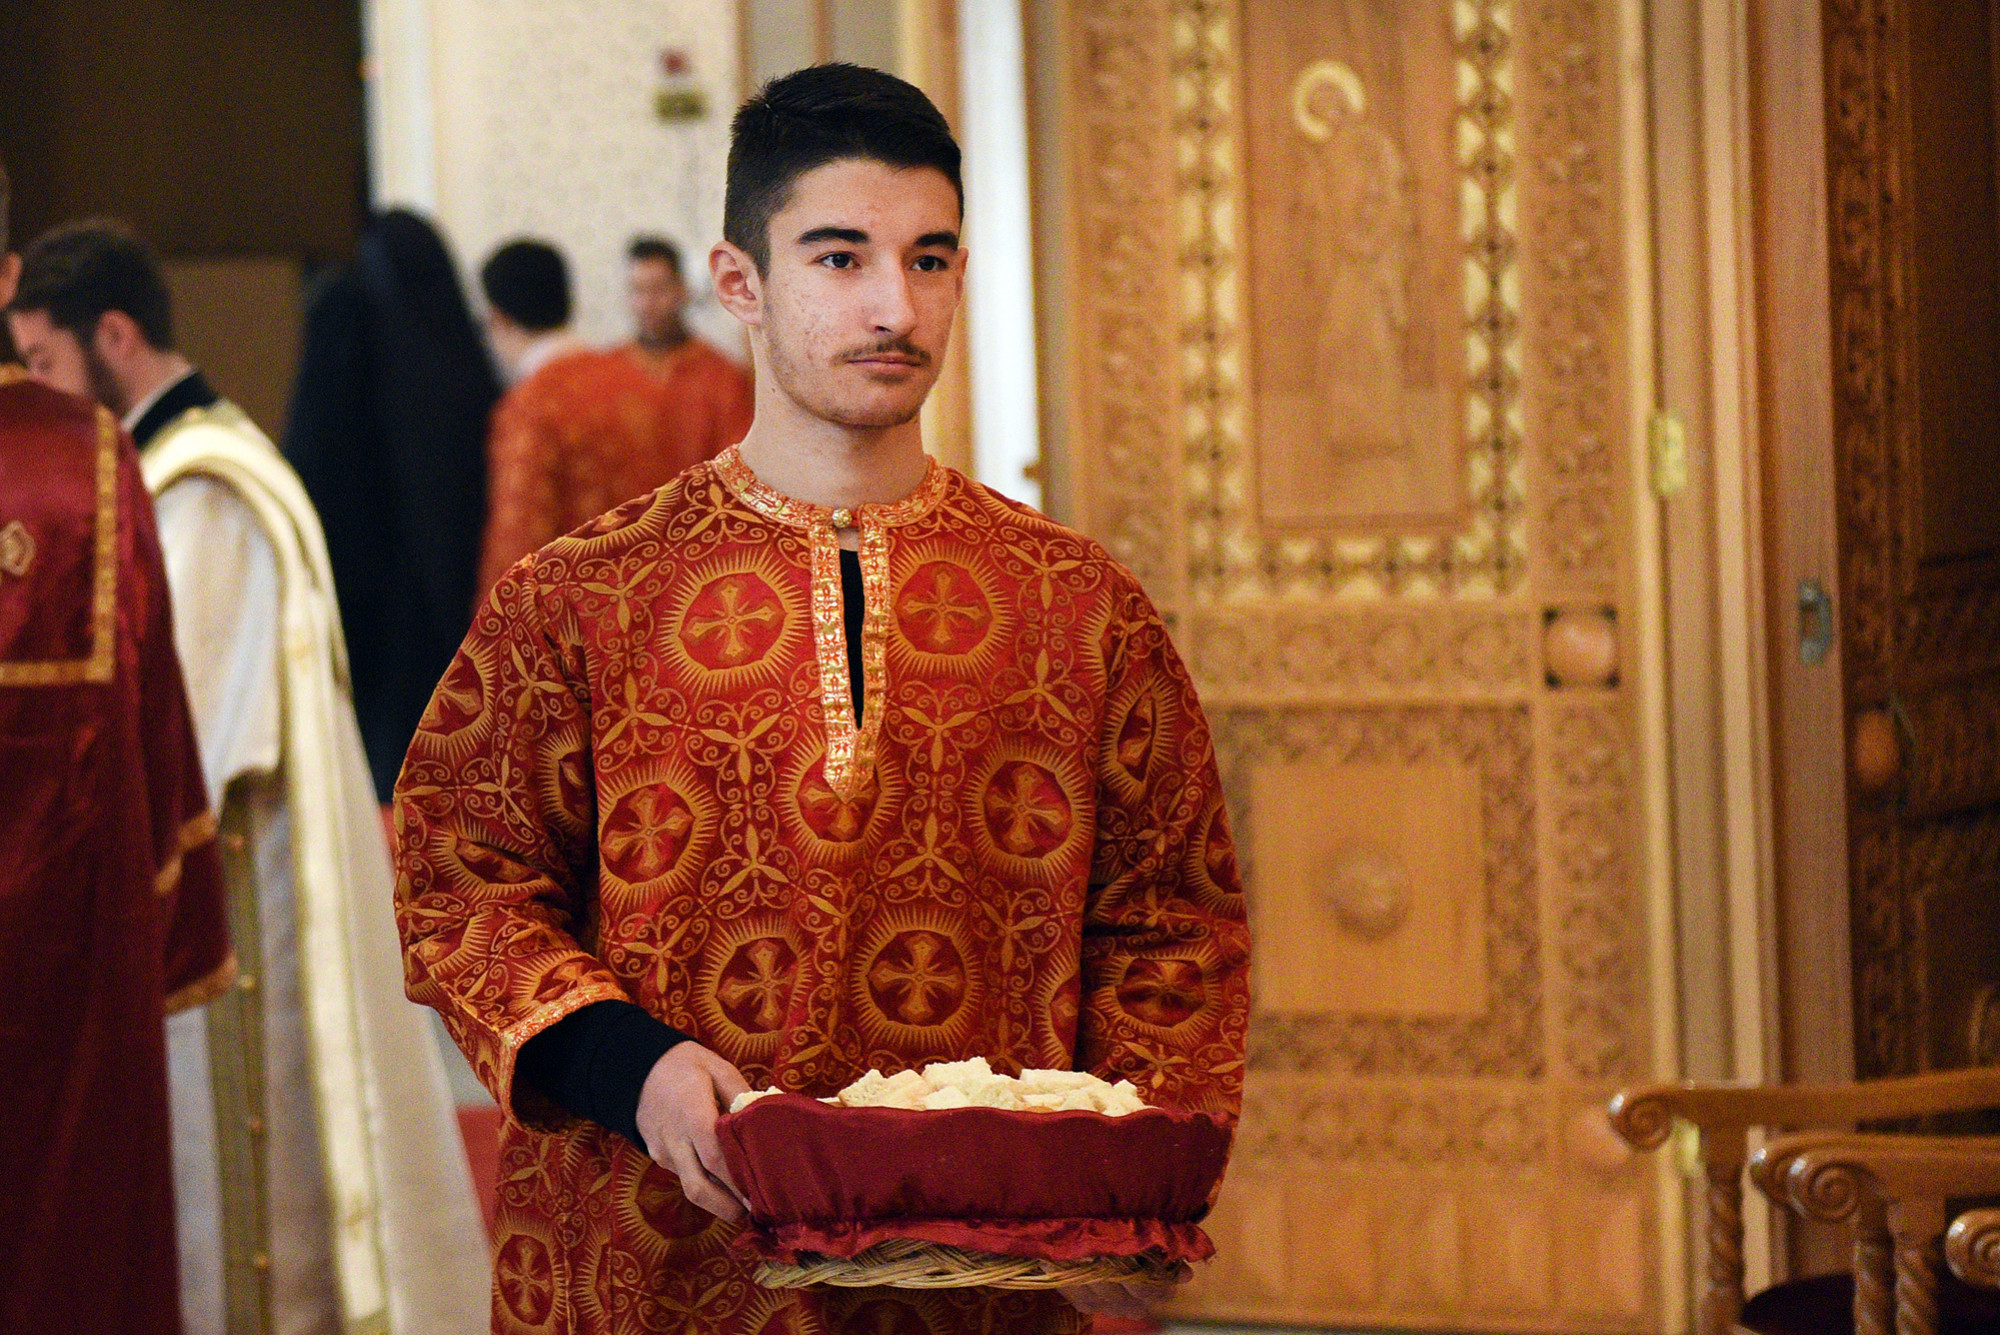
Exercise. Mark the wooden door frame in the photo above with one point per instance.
(1744, 370)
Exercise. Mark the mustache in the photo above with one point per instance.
(900, 346)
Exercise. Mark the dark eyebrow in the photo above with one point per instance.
(853, 236)
(949, 240)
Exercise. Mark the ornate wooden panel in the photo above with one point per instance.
(1347, 388)
(1915, 259)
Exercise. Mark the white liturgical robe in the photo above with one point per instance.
(346, 1204)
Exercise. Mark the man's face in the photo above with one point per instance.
(54, 356)
(657, 296)
(864, 279)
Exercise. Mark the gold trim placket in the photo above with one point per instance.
(850, 743)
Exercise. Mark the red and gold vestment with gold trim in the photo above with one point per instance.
(643, 778)
(111, 899)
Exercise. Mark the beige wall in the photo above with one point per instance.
(536, 117)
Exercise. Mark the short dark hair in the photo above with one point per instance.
(79, 271)
(817, 115)
(655, 248)
(528, 282)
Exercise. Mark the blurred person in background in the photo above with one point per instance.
(319, 1181)
(111, 891)
(709, 401)
(582, 431)
(387, 430)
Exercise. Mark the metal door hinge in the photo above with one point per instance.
(1667, 439)
(1815, 623)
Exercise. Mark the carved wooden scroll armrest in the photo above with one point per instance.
(1645, 1116)
(1893, 1188)
(1973, 1247)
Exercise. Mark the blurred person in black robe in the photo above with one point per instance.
(388, 431)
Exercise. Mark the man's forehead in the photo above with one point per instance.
(863, 195)
(33, 325)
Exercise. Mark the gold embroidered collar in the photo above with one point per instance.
(773, 504)
(850, 749)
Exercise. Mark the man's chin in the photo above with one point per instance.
(875, 417)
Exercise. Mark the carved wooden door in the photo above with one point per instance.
(1915, 258)
(1346, 383)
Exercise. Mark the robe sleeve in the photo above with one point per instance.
(523, 512)
(1165, 995)
(196, 962)
(495, 853)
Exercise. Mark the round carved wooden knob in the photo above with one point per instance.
(1595, 1143)
(1874, 750)
(1580, 647)
(1368, 890)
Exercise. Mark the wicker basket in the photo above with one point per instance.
(905, 1263)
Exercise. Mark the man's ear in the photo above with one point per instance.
(10, 277)
(117, 338)
(739, 288)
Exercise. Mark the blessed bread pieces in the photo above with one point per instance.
(975, 1084)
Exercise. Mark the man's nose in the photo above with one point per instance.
(894, 313)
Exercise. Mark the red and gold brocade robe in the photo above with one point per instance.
(642, 779)
(111, 898)
(590, 430)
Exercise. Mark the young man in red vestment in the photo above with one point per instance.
(582, 429)
(821, 758)
(111, 898)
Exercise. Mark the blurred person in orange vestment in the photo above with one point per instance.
(707, 397)
(111, 891)
(821, 758)
(583, 430)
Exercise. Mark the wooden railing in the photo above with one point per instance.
(1892, 1224)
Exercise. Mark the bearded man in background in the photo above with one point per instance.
(320, 1180)
(111, 895)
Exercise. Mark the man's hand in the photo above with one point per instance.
(1135, 1298)
(683, 1094)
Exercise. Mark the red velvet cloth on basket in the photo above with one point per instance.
(1061, 1186)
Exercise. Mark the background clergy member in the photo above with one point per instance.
(705, 397)
(319, 1177)
(387, 429)
(821, 758)
(583, 430)
(111, 899)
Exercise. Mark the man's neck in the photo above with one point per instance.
(659, 345)
(541, 349)
(824, 463)
(147, 378)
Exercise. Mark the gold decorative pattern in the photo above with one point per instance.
(97, 666)
(850, 748)
(1505, 1041)
(1570, 291)
(1381, 650)
(202, 990)
(1230, 555)
(196, 832)
(1338, 644)
(1598, 980)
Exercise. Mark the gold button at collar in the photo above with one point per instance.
(843, 519)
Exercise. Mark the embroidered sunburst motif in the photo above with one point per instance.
(17, 549)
